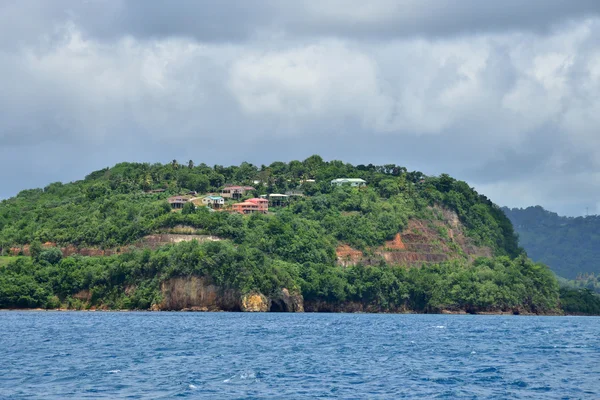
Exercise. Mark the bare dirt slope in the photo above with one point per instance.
(422, 242)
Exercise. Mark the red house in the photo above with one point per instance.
(251, 206)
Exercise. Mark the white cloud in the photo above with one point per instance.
(325, 80)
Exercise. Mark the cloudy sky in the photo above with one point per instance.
(502, 94)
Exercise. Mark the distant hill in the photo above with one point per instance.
(570, 246)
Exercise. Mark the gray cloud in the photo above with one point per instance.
(501, 94)
(230, 20)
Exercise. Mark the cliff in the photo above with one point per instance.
(201, 294)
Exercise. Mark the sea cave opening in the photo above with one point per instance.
(278, 306)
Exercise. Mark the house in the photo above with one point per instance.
(252, 206)
(294, 193)
(277, 200)
(177, 202)
(355, 182)
(213, 201)
(235, 192)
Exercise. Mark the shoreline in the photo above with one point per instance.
(443, 312)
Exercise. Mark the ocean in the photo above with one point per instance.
(145, 355)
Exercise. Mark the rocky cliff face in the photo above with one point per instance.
(151, 242)
(422, 242)
(197, 293)
(200, 294)
(286, 302)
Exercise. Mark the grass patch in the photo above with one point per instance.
(5, 260)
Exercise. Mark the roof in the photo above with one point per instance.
(294, 193)
(278, 195)
(179, 199)
(245, 204)
(239, 187)
(349, 180)
(214, 197)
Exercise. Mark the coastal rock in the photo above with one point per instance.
(197, 293)
(255, 302)
(286, 302)
(352, 307)
(194, 293)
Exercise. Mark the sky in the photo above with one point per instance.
(504, 95)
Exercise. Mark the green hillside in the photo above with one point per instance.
(293, 248)
(569, 246)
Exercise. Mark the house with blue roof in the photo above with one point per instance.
(213, 201)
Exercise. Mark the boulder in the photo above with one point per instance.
(255, 302)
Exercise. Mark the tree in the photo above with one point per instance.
(188, 208)
(52, 255)
(35, 249)
(190, 164)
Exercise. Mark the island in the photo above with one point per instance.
(312, 235)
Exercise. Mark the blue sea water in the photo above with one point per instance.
(62, 355)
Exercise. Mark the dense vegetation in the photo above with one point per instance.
(570, 246)
(580, 301)
(293, 247)
(589, 282)
(499, 284)
(109, 208)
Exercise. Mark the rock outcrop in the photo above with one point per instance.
(150, 241)
(158, 240)
(286, 302)
(197, 293)
(351, 307)
(201, 294)
(255, 302)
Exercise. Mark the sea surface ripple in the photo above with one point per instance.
(62, 355)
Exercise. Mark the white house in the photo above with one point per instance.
(213, 201)
(357, 182)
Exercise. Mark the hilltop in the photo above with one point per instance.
(313, 235)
